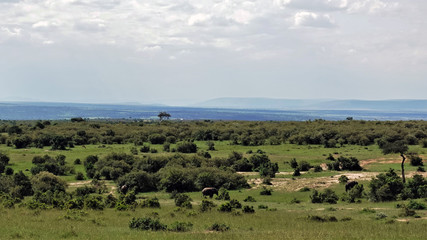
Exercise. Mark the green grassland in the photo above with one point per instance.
(281, 220)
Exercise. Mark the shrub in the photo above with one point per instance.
(385, 187)
(187, 147)
(355, 192)
(45, 181)
(211, 146)
(266, 191)
(110, 201)
(77, 161)
(304, 166)
(415, 160)
(4, 159)
(416, 205)
(144, 149)
(223, 194)
(84, 191)
(294, 163)
(317, 218)
(318, 169)
(9, 171)
(262, 206)
(157, 138)
(294, 200)
(219, 227)
(225, 207)
(146, 223)
(249, 199)
(343, 179)
(328, 196)
(248, 209)
(94, 202)
(316, 197)
(206, 205)
(296, 173)
(151, 203)
(80, 176)
(235, 204)
(140, 181)
(380, 216)
(134, 151)
(182, 200)
(180, 227)
(406, 212)
(166, 147)
(304, 189)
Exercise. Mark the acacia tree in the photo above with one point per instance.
(396, 147)
(163, 115)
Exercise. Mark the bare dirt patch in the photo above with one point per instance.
(295, 184)
(81, 183)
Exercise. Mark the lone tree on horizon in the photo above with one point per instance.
(396, 147)
(163, 115)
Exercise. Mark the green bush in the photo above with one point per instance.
(235, 204)
(151, 203)
(328, 196)
(206, 205)
(266, 191)
(248, 209)
(80, 176)
(157, 138)
(318, 168)
(317, 218)
(144, 149)
(94, 202)
(180, 227)
(45, 181)
(182, 200)
(219, 227)
(343, 179)
(415, 160)
(223, 194)
(416, 205)
(187, 147)
(225, 207)
(385, 187)
(296, 173)
(147, 223)
(249, 199)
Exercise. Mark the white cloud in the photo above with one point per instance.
(310, 19)
(198, 19)
(317, 5)
(91, 25)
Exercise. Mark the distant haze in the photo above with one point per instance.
(184, 52)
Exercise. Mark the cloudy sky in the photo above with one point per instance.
(184, 51)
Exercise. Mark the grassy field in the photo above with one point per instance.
(281, 220)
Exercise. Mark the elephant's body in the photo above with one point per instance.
(209, 191)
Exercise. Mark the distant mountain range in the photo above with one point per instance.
(321, 104)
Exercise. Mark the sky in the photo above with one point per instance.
(180, 52)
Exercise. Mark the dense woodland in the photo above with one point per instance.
(63, 134)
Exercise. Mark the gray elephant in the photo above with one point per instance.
(209, 191)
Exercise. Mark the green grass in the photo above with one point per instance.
(289, 221)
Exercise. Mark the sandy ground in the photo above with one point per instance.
(295, 184)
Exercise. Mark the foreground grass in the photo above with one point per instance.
(289, 221)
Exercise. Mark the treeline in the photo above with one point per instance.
(63, 134)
